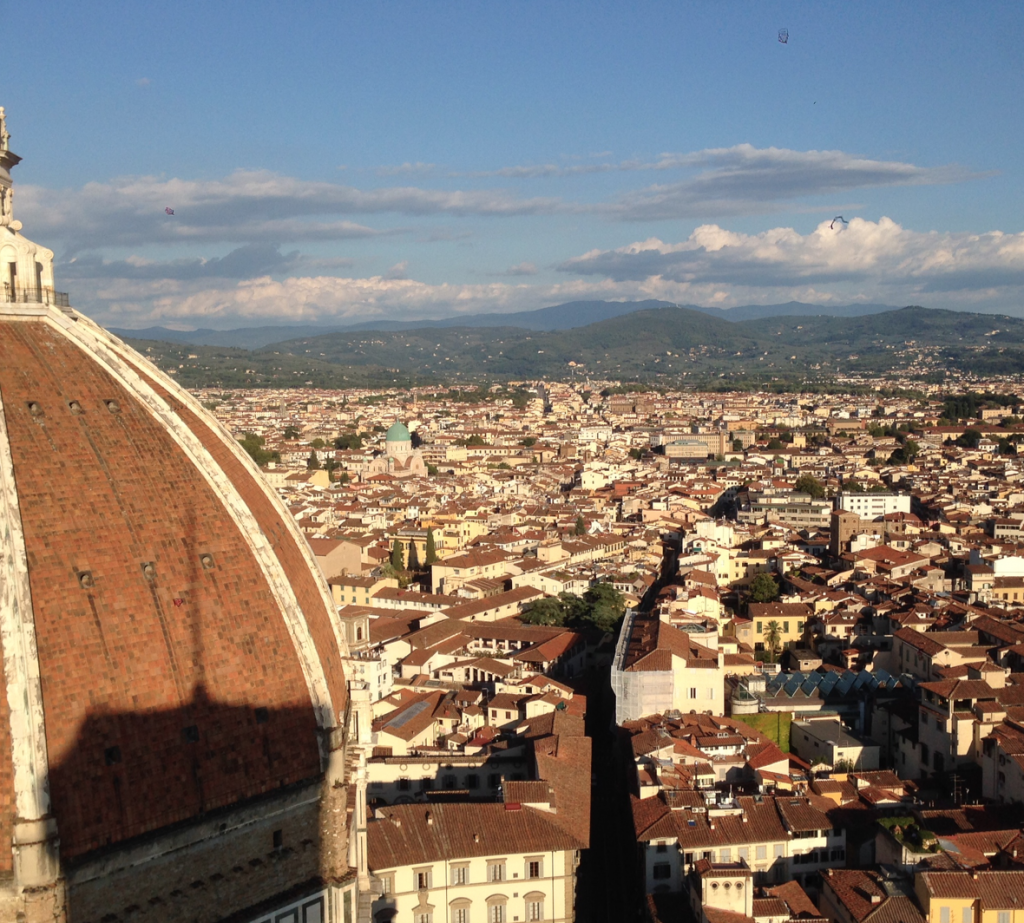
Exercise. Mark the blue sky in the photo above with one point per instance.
(335, 162)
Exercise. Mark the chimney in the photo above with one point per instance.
(974, 875)
(398, 821)
(744, 816)
(876, 898)
(430, 818)
(476, 837)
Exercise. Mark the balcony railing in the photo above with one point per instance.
(35, 295)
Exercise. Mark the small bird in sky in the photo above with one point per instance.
(838, 218)
(169, 211)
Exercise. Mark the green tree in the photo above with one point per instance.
(580, 527)
(432, 470)
(808, 484)
(737, 445)
(253, 444)
(313, 463)
(317, 444)
(763, 588)
(431, 550)
(969, 439)
(774, 445)
(348, 441)
(529, 442)
(605, 606)
(472, 440)
(852, 487)
(330, 466)
(291, 432)
(398, 555)
(773, 638)
(546, 611)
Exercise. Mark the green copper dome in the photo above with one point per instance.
(398, 433)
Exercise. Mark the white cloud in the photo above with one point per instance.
(245, 207)
(744, 180)
(863, 257)
(259, 206)
(741, 179)
(399, 169)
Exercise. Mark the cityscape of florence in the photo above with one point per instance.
(482, 464)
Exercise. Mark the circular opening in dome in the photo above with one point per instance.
(85, 580)
(113, 406)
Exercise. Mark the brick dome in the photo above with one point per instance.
(169, 644)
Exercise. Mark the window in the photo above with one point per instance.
(422, 879)
(762, 852)
(693, 692)
(427, 917)
(387, 884)
(496, 913)
(943, 915)
(460, 915)
(403, 785)
(460, 874)
(450, 781)
(744, 852)
(759, 630)
(496, 871)
(534, 869)
(785, 627)
(662, 870)
(967, 915)
(725, 855)
(779, 850)
(1004, 916)
(535, 909)
(473, 781)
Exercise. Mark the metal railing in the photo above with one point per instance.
(35, 295)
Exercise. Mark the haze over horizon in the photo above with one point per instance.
(334, 165)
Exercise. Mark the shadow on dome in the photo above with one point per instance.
(208, 812)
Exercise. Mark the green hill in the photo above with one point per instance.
(667, 345)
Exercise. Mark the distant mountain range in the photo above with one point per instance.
(672, 345)
(558, 317)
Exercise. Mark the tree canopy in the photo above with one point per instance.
(253, 444)
(601, 607)
(763, 589)
(808, 484)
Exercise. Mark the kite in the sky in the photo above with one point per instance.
(838, 218)
(170, 211)
(784, 36)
